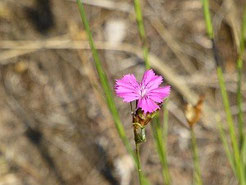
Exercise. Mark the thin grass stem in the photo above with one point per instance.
(239, 166)
(226, 146)
(239, 81)
(141, 31)
(156, 130)
(208, 19)
(160, 141)
(139, 168)
(197, 171)
(165, 121)
(105, 84)
(239, 101)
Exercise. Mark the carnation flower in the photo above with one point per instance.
(148, 94)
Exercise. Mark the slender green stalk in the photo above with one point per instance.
(207, 18)
(141, 31)
(165, 121)
(244, 152)
(197, 171)
(105, 84)
(239, 82)
(226, 146)
(239, 166)
(157, 131)
(166, 174)
(243, 32)
(139, 168)
(161, 148)
(239, 169)
(239, 101)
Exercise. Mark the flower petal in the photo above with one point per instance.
(128, 97)
(127, 87)
(150, 80)
(159, 94)
(147, 105)
(148, 75)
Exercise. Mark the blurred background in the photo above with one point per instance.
(55, 128)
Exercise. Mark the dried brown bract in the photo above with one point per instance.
(193, 113)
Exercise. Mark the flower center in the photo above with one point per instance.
(142, 91)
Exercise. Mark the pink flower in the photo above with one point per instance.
(147, 93)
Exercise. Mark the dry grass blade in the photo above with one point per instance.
(171, 76)
(110, 5)
(173, 45)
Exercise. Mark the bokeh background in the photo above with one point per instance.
(55, 128)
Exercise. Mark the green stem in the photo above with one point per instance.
(105, 84)
(207, 18)
(239, 81)
(239, 102)
(165, 121)
(160, 141)
(166, 173)
(226, 146)
(197, 171)
(141, 31)
(239, 167)
(140, 173)
(156, 130)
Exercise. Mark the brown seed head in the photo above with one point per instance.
(193, 113)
